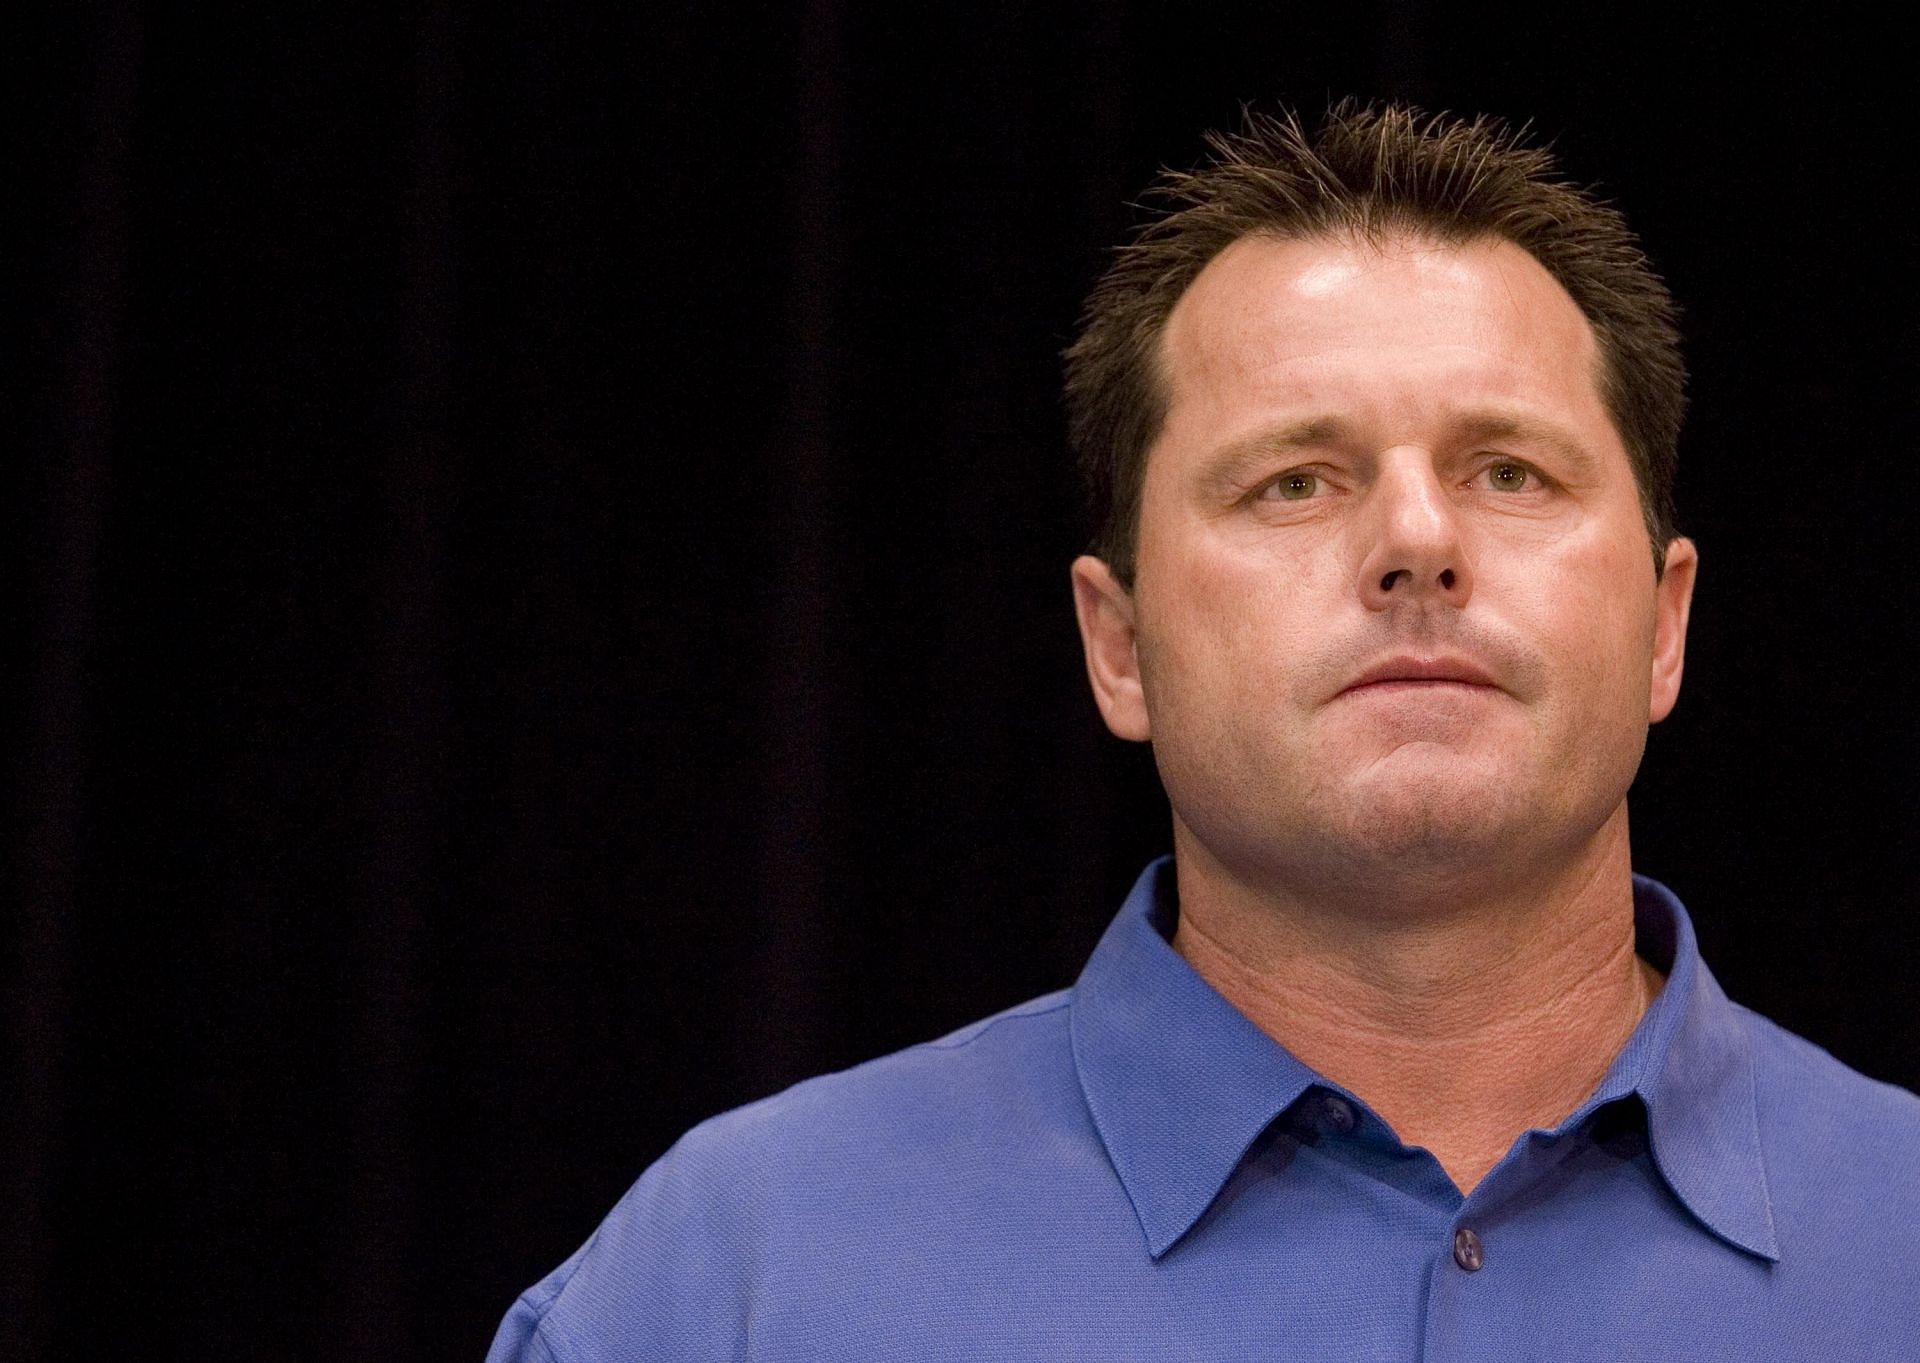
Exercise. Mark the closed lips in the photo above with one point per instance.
(1458, 671)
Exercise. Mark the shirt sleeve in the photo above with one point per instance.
(520, 1339)
(673, 1271)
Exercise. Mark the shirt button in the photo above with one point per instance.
(1467, 1250)
(1339, 1115)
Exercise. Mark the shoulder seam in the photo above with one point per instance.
(551, 1332)
(980, 1029)
(545, 1327)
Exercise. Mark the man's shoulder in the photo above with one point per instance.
(789, 1187)
(1798, 1070)
(898, 1102)
(1825, 1126)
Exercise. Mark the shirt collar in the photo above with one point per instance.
(1180, 1083)
(1691, 1062)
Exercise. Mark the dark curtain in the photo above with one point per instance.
(539, 544)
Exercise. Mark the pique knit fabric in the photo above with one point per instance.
(1130, 1169)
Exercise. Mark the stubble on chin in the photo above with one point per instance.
(1387, 836)
(1429, 833)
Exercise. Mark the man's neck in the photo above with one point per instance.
(1461, 1025)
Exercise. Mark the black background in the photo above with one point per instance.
(540, 546)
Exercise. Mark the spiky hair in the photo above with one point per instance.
(1372, 171)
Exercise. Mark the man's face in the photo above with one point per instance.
(1395, 609)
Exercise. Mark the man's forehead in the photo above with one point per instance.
(1264, 290)
(1294, 321)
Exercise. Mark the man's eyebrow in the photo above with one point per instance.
(1525, 430)
(1232, 462)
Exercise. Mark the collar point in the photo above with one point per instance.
(1759, 1240)
(1163, 1228)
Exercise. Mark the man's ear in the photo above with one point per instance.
(1673, 598)
(1105, 611)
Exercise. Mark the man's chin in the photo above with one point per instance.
(1430, 775)
(1450, 818)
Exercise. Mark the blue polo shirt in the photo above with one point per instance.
(1130, 1169)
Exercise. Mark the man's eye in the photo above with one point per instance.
(1508, 477)
(1294, 487)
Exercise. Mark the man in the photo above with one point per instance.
(1395, 1057)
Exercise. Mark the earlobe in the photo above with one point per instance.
(1105, 610)
(1673, 600)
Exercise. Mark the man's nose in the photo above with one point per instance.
(1414, 552)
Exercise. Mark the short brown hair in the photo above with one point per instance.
(1367, 170)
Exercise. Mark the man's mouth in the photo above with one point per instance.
(1407, 672)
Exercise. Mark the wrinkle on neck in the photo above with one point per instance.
(1463, 1025)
